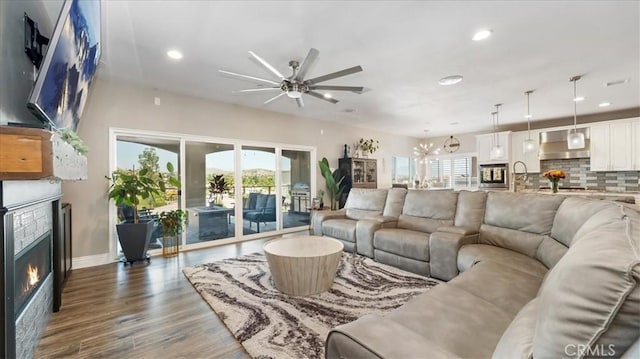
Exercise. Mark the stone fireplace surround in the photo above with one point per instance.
(29, 210)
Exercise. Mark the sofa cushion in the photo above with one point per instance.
(344, 229)
(523, 212)
(403, 242)
(591, 297)
(523, 242)
(517, 340)
(500, 284)
(453, 320)
(472, 254)
(395, 202)
(470, 209)
(572, 214)
(426, 211)
(365, 202)
(550, 251)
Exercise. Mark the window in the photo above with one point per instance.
(403, 170)
(452, 172)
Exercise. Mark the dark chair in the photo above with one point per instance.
(265, 210)
(400, 185)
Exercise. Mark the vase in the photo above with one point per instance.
(554, 186)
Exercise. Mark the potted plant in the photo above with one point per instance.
(172, 224)
(127, 189)
(369, 146)
(332, 181)
(217, 186)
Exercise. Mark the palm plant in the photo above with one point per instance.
(333, 181)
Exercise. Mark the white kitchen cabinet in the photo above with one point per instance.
(531, 159)
(487, 141)
(614, 145)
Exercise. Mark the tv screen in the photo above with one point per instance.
(69, 64)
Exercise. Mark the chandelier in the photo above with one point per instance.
(423, 150)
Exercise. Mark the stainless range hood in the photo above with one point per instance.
(553, 145)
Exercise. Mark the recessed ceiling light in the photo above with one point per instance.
(450, 80)
(327, 95)
(528, 116)
(605, 104)
(454, 123)
(174, 54)
(481, 35)
(578, 99)
(349, 110)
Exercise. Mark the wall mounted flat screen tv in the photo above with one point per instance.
(69, 65)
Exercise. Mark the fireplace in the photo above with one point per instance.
(30, 227)
(32, 266)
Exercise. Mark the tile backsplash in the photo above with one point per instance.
(579, 174)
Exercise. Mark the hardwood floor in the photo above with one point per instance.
(144, 311)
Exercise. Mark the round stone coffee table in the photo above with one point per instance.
(303, 265)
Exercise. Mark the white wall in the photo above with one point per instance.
(16, 70)
(114, 104)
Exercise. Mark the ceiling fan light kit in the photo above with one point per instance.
(575, 140)
(295, 86)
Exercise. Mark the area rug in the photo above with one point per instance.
(270, 324)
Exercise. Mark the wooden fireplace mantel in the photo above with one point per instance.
(33, 154)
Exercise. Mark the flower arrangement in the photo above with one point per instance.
(554, 177)
(368, 146)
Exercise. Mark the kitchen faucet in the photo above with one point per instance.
(524, 177)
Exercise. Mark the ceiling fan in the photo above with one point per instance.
(295, 85)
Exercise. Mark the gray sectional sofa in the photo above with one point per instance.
(528, 276)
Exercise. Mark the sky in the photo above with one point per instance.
(127, 157)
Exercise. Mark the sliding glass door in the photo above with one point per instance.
(231, 190)
(295, 183)
(137, 152)
(209, 195)
(261, 200)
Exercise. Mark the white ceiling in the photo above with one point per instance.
(404, 48)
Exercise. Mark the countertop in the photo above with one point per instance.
(627, 197)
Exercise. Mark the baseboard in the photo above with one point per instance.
(91, 261)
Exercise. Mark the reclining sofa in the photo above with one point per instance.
(527, 275)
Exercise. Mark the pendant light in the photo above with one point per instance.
(497, 152)
(529, 145)
(575, 140)
(423, 150)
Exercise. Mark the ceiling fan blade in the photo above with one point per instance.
(266, 65)
(307, 63)
(356, 89)
(263, 89)
(300, 102)
(247, 77)
(321, 96)
(273, 98)
(333, 75)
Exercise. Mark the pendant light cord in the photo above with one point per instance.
(575, 107)
(528, 117)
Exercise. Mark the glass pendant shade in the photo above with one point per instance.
(575, 140)
(528, 146)
(497, 152)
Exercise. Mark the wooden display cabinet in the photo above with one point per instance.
(363, 171)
